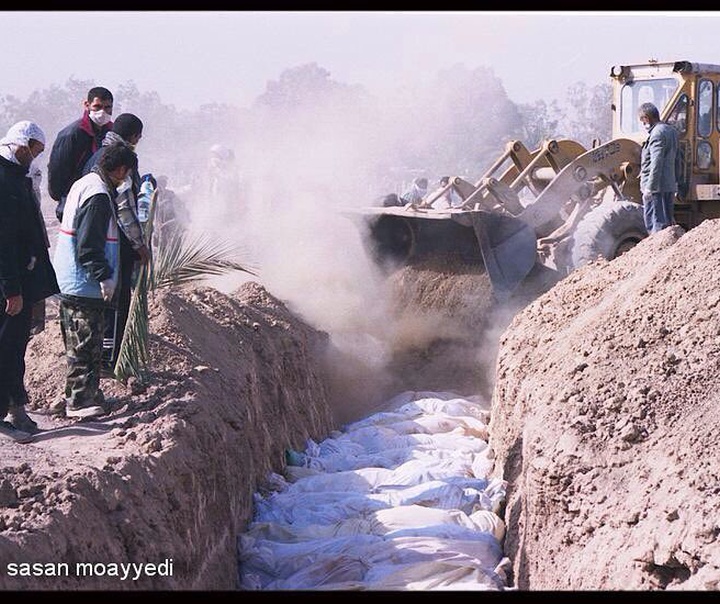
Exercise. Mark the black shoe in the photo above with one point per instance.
(21, 420)
(7, 429)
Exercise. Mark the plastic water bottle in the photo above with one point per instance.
(144, 197)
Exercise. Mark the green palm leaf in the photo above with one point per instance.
(176, 261)
(181, 260)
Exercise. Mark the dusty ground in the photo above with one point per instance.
(604, 421)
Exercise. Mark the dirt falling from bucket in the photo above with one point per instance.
(442, 310)
(443, 336)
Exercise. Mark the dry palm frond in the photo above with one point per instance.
(133, 353)
(175, 262)
(132, 357)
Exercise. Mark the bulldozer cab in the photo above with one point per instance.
(688, 97)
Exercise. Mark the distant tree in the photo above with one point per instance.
(540, 122)
(176, 143)
(303, 86)
(295, 85)
(589, 113)
(308, 130)
(51, 108)
(457, 124)
(307, 126)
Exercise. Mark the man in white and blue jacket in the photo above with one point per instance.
(87, 264)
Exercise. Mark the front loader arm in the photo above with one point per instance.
(611, 164)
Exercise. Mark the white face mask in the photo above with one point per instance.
(100, 117)
(125, 185)
(647, 126)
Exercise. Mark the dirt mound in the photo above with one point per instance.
(605, 421)
(441, 335)
(167, 479)
(440, 317)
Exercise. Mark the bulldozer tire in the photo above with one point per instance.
(608, 231)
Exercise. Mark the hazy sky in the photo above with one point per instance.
(196, 57)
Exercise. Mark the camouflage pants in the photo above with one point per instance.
(82, 331)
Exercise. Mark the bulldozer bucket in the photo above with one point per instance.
(508, 247)
(505, 245)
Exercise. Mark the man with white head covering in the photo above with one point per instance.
(26, 273)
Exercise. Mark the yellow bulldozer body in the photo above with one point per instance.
(561, 204)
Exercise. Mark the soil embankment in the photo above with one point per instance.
(166, 481)
(606, 424)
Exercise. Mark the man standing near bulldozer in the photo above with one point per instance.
(658, 170)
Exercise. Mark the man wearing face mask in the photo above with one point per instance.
(126, 129)
(76, 143)
(658, 170)
(87, 262)
(26, 274)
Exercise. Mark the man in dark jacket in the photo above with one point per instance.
(127, 129)
(26, 274)
(76, 143)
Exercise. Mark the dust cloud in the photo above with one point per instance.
(302, 171)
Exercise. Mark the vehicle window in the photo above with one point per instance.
(704, 108)
(635, 93)
(703, 155)
(678, 116)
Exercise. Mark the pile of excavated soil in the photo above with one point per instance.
(605, 421)
(441, 312)
(164, 483)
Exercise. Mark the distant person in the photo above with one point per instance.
(415, 192)
(76, 142)
(224, 177)
(26, 273)
(171, 214)
(127, 129)
(658, 170)
(87, 262)
(449, 199)
(223, 182)
(412, 194)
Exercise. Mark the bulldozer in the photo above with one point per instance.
(562, 205)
